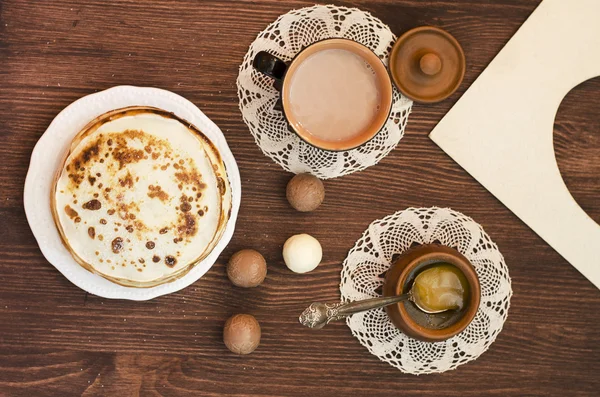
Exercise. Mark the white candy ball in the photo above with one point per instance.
(302, 253)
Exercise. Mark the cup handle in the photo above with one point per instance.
(269, 65)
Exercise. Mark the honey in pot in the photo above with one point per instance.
(440, 287)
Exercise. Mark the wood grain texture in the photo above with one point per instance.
(56, 340)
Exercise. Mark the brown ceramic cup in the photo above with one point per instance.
(414, 322)
(283, 72)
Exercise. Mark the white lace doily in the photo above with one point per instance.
(284, 38)
(364, 269)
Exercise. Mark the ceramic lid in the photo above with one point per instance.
(427, 64)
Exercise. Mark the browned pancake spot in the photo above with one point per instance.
(117, 245)
(187, 225)
(170, 261)
(221, 185)
(124, 155)
(127, 181)
(190, 177)
(156, 191)
(70, 211)
(139, 225)
(88, 154)
(92, 205)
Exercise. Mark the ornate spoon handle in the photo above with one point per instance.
(318, 314)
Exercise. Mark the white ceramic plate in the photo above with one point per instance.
(49, 151)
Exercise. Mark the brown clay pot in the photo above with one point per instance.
(414, 322)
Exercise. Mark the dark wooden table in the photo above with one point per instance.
(57, 340)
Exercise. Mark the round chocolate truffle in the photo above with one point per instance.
(241, 334)
(247, 268)
(305, 192)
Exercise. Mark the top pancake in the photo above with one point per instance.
(141, 197)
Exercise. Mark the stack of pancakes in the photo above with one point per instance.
(141, 197)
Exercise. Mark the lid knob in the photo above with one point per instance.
(430, 64)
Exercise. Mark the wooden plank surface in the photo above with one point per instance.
(56, 340)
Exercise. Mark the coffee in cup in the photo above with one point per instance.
(336, 94)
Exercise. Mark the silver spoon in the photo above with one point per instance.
(319, 314)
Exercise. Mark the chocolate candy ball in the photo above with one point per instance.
(305, 192)
(241, 334)
(247, 268)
